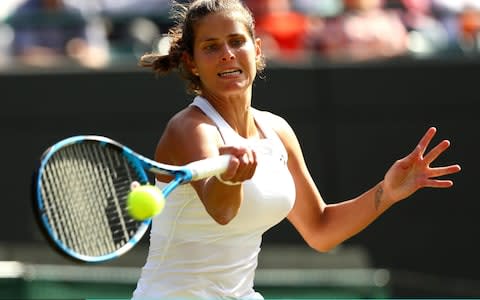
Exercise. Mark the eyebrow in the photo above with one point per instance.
(212, 39)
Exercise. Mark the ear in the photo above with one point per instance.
(190, 63)
(258, 48)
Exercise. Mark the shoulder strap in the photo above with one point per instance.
(263, 124)
(229, 136)
(269, 132)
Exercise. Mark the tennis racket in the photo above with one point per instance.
(80, 194)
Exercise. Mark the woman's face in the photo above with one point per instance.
(224, 55)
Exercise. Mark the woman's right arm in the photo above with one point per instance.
(190, 136)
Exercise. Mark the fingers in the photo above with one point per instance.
(442, 171)
(242, 165)
(432, 180)
(436, 151)
(437, 183)
(414, 170)
(247, 166)
(134, 185)
(426, 139)
(433, 154)
(419, 150)
(438, 172)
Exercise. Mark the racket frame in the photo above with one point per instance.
(181, 174)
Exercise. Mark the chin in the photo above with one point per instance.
(236, 87)
(235, 91)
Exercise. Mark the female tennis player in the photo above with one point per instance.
(206, 242)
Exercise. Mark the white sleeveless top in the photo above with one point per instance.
(193, 257)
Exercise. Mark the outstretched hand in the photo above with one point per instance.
(414, 171)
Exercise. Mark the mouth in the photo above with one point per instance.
(230, 73)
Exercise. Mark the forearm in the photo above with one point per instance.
(221, 201)
(340, 221)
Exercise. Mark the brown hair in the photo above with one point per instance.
(182, 36)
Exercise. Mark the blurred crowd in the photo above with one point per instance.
(97, 33)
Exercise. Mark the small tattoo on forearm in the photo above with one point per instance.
(378, 197)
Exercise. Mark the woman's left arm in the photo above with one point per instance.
(324, 226)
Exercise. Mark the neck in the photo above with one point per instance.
(236, 111)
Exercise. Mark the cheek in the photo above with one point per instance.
(205, 62)
(254, 61)
(250, 54)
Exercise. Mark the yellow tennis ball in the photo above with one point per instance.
(145, 202)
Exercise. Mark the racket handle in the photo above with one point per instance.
(209, 167)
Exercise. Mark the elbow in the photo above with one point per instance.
(222, 220)
(222, 217)
(322, 246)
(319, 239)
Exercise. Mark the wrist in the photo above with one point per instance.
(381, 197)
(227, 182)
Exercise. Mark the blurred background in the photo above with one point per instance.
(359, 80)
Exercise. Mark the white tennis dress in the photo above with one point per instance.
(193, 257)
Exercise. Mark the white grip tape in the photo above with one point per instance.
(209, 167)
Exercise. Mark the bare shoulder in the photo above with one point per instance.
(187, 121)
(189, 135)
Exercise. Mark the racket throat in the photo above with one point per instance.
(180, 178)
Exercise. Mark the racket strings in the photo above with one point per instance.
(84, 187)
(72, 210)
(116, 208)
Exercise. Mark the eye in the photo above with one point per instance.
(210, 47)
(237, 42)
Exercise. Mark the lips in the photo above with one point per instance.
(231, 72)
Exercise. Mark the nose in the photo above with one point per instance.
(227, 53)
